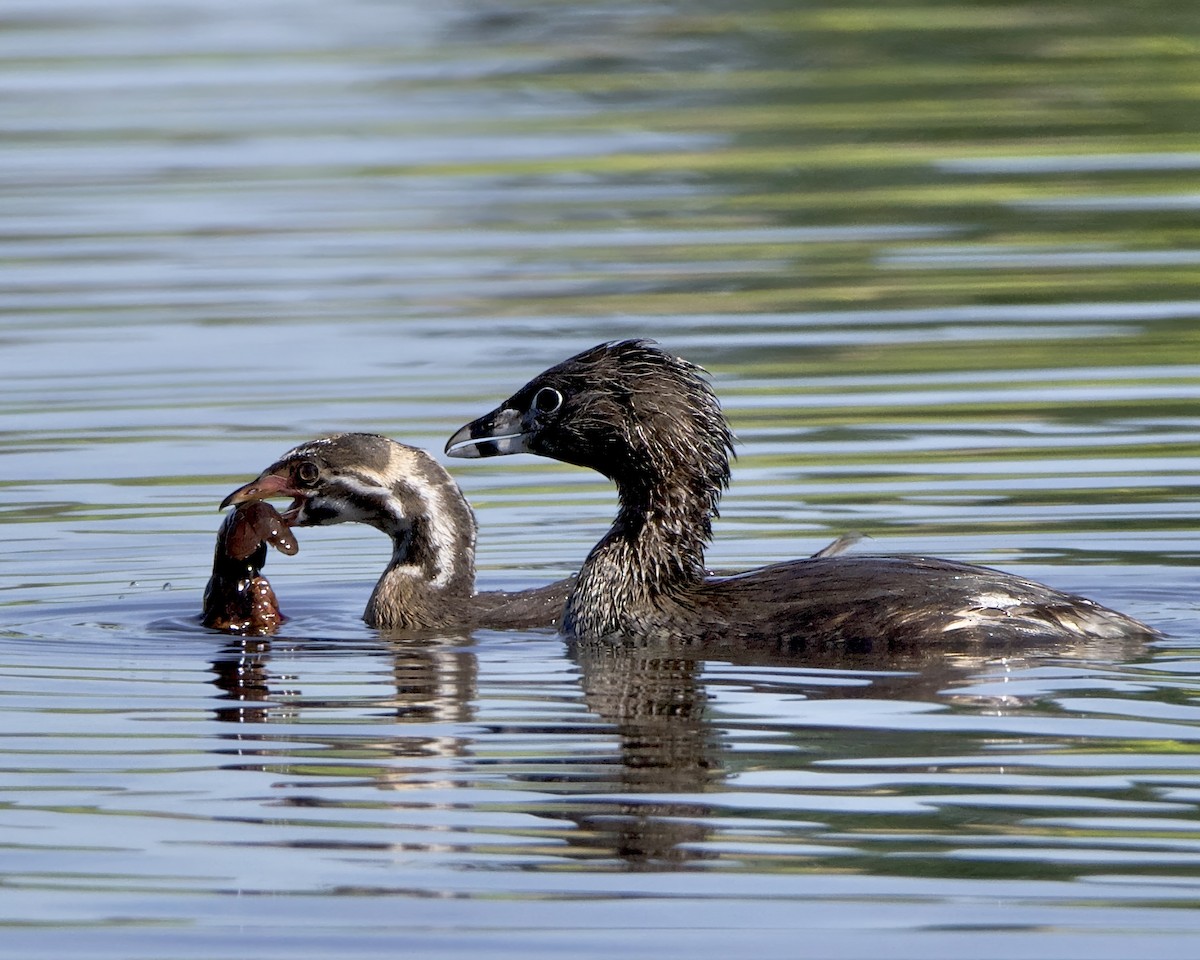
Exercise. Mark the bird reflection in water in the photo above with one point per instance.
(667, 746)
(433, 680)
(674, 748)
(241, 674)
(433, 683)
(651, 804)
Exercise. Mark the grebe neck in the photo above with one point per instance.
(432, 531)
(653, 552)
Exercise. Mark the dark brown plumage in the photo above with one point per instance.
(238, 598)
(652, 424)
(402, 491)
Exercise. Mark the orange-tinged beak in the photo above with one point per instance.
(265, 487)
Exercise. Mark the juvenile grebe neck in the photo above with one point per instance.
(432, 529)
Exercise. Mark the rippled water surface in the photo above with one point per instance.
(943, 264)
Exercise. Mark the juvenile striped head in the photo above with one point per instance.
(366, 478)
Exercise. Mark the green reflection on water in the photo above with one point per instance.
(863, 115)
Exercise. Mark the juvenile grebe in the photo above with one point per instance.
(651, 423)
(238, 598)
(404, 492)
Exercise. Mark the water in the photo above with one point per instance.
(941, 262)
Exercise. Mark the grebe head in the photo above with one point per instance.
(398, 489)
(627, 409)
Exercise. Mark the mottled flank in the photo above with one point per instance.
(429, 582)
(651, 423)
(237, 598)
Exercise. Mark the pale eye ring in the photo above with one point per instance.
(547, 400)
(308, 472)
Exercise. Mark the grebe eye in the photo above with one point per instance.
(547, 400)
(308, 472)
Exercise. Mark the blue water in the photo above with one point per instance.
(941, 264)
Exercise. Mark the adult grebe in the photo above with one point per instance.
(651, 423)
(404, 492)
